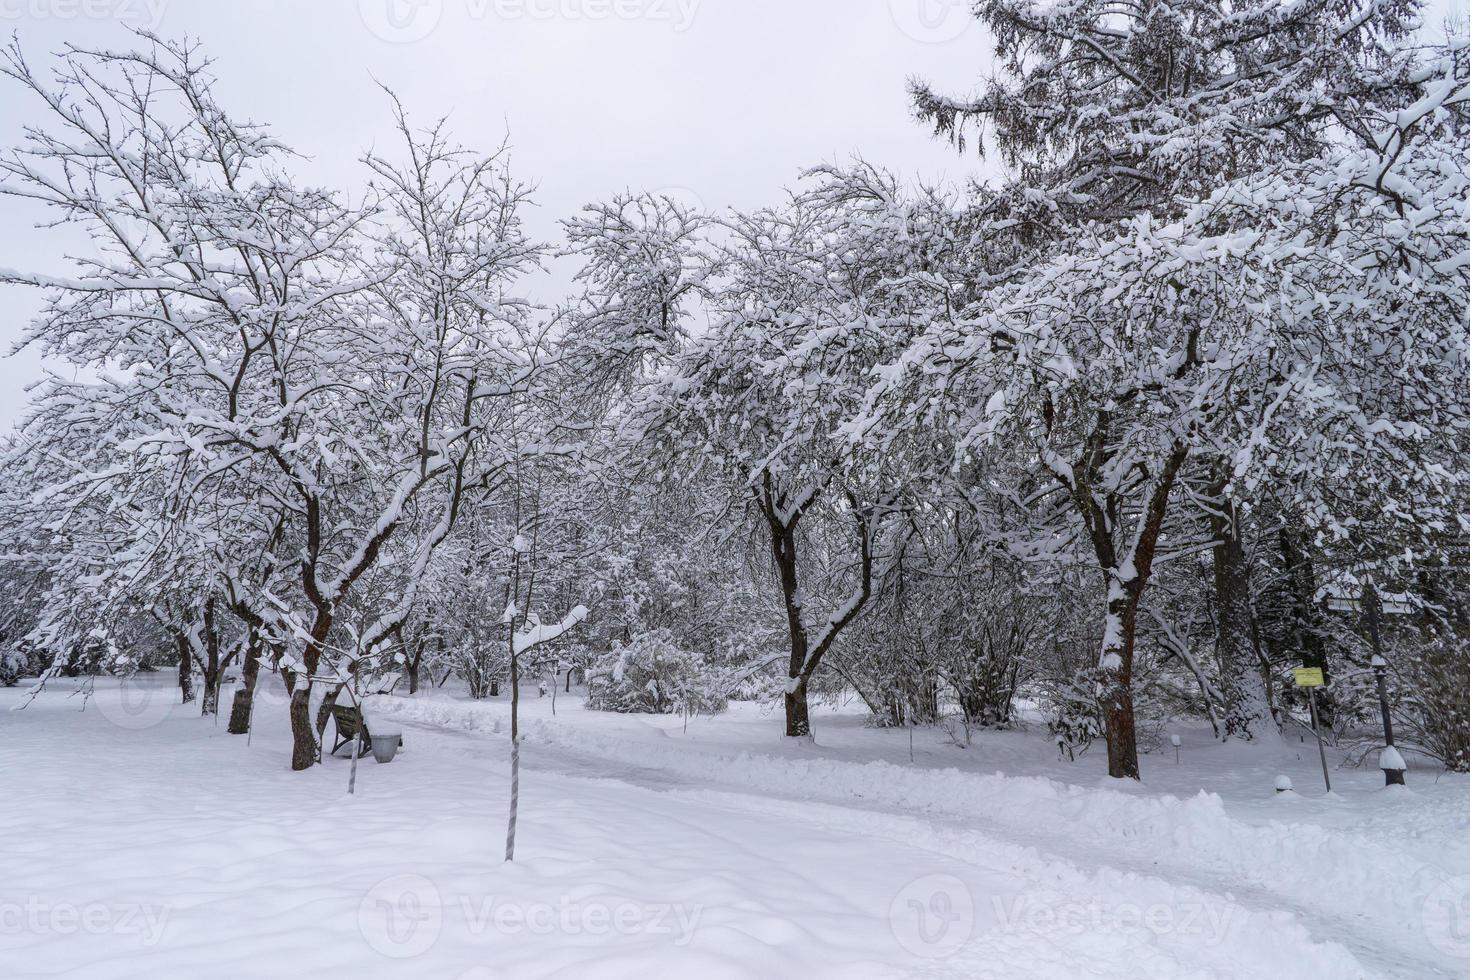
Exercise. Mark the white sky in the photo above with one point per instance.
(721, 102)
(717, 101)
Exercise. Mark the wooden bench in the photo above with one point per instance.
(350, 725)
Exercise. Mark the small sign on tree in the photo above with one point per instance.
(1308, 677)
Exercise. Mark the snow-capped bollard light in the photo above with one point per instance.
(1174, 741)
(1392, 764)
(1283, 784)
(1393, 775)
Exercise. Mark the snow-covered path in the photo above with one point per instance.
(1081, 882)
(1187, 854)
(153, 844)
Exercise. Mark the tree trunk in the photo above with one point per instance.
(1306, 632)
(1115, 683)
(783, 551)
(782, 524)
(186, 668)
(213, 670)
(209, 704)
(416, 664)
(306, 737)
(245, 694)
(324, 711)
(798, 717)
(303, 734)
(1247, 712)
(1125, 581)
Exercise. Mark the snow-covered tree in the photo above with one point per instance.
(343, 364)
(811, 298)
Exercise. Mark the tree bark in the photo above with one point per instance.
(1125, 582)
(783, 553)
(324, 710)
(1306, 631)
(798, 712)
(781, 523)
(306, 737)
(186, 667)
(213, 670)
(1115, 688)
(245, 694)
(303, 734)
(1247, 712)
(413, 666)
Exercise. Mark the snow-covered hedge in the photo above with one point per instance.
(650, 673)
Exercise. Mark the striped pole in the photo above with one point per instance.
(515, 797)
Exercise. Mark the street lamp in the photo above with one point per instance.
(1389, 760)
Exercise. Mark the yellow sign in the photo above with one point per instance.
(1308, 677)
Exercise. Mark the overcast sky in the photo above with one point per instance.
(719, 101)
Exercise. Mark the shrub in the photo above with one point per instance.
(651, 674)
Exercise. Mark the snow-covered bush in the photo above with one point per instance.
(11, 664)
(1075, 720)
(650, 673)
(1440, 720)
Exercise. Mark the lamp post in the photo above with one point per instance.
(1389, 760)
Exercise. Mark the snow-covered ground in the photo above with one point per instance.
(142, 841)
